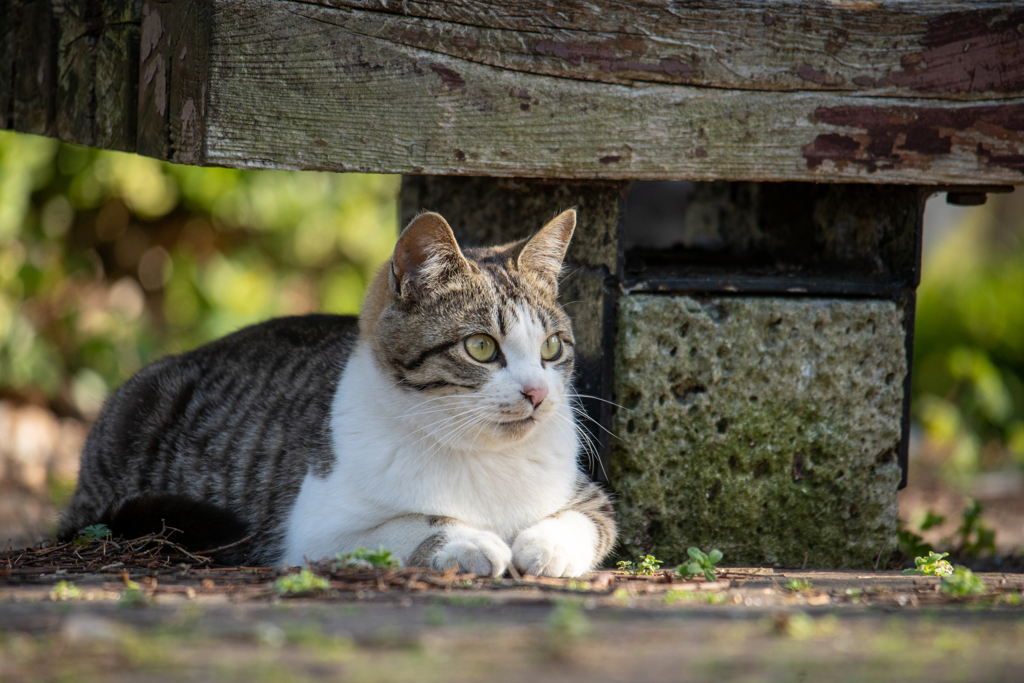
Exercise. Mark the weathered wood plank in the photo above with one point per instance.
(117, 75)
(920, 48)
(33, 78)
(6, 64)
(79, 24)
(172, 79)
(920, 92)
(291, 88)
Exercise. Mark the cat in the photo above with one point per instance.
(438, 425)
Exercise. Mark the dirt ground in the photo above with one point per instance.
(754, 624)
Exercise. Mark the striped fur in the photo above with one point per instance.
(320, 433)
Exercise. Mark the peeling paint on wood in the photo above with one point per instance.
(896, 137)
(968, 52)
(613, 90)
(891, 48)
(172, 84)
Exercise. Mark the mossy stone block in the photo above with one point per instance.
(764, 427)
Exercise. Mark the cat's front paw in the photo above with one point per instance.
(476, 552)
(557, 546)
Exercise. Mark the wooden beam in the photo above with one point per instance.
(296, 85)
(117, 75)
(6, 64)
(872, 91)
(172, 79)
(922, 48)
(33, 73)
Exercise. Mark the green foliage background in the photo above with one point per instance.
(969, 346)
(109, 261)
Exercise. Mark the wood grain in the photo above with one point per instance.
(921, 48)
(116, 86)
(172, 79)
(874, 91)
(6, 64)
(34, 72)
(292, 87)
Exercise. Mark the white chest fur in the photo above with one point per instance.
(398, 454)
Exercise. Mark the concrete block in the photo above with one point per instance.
(765, 427)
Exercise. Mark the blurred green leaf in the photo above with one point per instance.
(109, 261)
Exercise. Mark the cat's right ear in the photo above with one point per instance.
(426, 255)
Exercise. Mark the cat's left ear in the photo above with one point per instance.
(426, 255)
(544, 252)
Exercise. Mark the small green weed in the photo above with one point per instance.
(1012, 598)
(303, 582)
(932, 565)
(799, 585)
(93, 532)
(65, 590)
(974, 537)
(647, 566)
(701, 563)
(962, 582)
(361, 557)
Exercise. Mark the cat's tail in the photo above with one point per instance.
(194, 525)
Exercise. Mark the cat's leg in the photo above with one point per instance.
(571, 541)
(440, 542)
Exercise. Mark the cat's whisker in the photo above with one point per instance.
(598, 398)
(586, 442)
(566, 277)
(586, 438)
(590, 448)
(453, 437)
(439, 426)
(583, 413)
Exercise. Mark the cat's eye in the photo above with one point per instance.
(482, 347)
(551, 349)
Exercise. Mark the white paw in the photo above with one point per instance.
(560, 546)
(476, 552)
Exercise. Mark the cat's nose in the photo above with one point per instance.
(535, 393)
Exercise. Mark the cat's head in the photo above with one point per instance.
(478, 334)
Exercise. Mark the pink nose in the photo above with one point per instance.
(535, 393)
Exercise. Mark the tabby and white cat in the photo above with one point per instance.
(439, 425)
